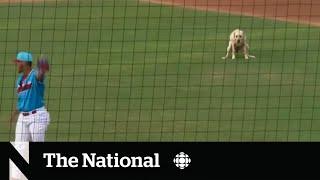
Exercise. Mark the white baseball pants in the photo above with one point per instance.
(32, 127)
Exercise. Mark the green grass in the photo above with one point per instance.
(150, 73)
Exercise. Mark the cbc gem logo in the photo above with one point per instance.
(182, 160)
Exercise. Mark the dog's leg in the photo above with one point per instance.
(233, 51)
(247, 55)
(246, 52)
(228, 51)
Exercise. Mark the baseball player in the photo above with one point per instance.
(33, 118)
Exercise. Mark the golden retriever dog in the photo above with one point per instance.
(238, 43)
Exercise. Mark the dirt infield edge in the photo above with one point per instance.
(220, 10)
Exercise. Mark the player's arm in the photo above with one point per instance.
(43, 68)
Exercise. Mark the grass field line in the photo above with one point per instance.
(217, 9)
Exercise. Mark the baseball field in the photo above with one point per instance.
(132, 70)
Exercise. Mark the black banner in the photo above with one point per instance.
(87, 160)
(4, 160)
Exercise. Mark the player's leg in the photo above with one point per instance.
(22, 133)
(39, 126)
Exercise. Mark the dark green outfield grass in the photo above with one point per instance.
(127, 71)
